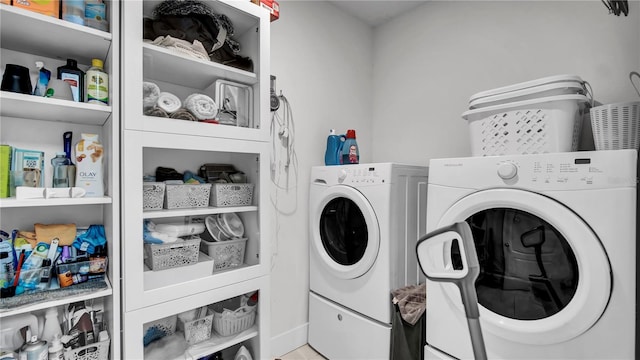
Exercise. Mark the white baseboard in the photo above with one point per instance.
(289, 340)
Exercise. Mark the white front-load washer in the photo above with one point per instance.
(364, 223)
(556, 239)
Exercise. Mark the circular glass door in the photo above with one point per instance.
(345, 232)
(544, 275)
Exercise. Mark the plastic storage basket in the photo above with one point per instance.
(549, 124)
(197, 330)
(95, 351)
(616, 126)
(158, 329)
(171, 255)
(226, 254)
(227, 321)
(232, 195)
(152, 195)
(187, 196)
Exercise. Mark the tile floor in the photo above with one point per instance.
(302, 353)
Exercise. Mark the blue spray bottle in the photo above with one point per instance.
(333, 153)
(44, 76)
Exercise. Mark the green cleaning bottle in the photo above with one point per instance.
(97, 83)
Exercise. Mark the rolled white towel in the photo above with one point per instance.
(150, 94)
(201, 106)
(169, 102)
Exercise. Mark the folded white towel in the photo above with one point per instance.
(169, 102)
(150, 94)
(195, 49)
(201, 106)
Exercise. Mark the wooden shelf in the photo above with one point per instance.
(49, 109)
(162, 64)
(51, 37)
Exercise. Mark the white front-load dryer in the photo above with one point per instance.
(556, 239)
(364, 223)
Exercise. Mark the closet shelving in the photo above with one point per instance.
(150, 142)
(38, 123)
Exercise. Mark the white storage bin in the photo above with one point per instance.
(231, 195)
(553, 89)
(549, 124)
(187, 196)
(527, 85)
(616, 126)
(152, 195)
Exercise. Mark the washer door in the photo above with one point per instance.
(345, 234)
(544, 276)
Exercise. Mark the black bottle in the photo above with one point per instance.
(75, 77)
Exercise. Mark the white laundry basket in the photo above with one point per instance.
(616, 126)
(541, 125)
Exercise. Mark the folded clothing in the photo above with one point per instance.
(195, 49)
(90, 239)
(169, 102)
(201, 106)
(183, 114)
(150, 94)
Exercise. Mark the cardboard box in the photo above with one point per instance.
(271, 5)
(45, 7)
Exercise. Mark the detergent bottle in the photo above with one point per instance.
(350, 153)
(333, 153)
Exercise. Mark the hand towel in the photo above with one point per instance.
(195, 49)
(89, 240)
(201, 106)
(183, 114)
(169, 102)
(150, 94)
(156, 111)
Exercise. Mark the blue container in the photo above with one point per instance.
(333, 153)
(350, 152)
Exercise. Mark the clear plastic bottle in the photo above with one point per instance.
(60, 172)
(56, 351)
(51, 325)
(350, 152)
(97, 83)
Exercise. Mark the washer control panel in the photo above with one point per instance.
(359, 175)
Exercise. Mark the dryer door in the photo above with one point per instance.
(545, 277)
(344, 232)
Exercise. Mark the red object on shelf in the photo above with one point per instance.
(271, 5)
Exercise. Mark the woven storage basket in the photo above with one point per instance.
(232, 323)
(232, 195)
(158, 329)
(187, 196)
(197, 330)
(152, 195)
(171, 255)
(616, 126)
(226, 254)
(95, 351)
(549, 124)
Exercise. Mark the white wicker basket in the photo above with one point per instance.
(226, 254)
(232, 195)
(229, 323)
(197, 330)
(549, 124)
(187, 196)
(95, 351)
(152, 195)
(171, 255)
(616, 126)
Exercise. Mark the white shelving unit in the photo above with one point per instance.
(149, 142)
(38, 123)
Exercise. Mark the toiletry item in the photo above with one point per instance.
(5, 168)
(84, 325)
(45, 7)
(52, 327)
(89, 155)
(73, 11)
(75, 77)
(332, 154)
(56, 351)
(60, 165)
(16, 79)
(37, 255)
(24, 192)
(45, 275)
(44, 76)
(95, 14)
(30, 161)
(65, 277)
(7, 253)
(34, 349)
(97, 83)
(350, 152)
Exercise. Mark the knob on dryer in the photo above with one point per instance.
(342, 175)
(507, 170)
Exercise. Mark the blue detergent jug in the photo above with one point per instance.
(333, 153)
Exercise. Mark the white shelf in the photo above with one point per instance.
(27, 31)
(42, 108)
(62, 301)
(156, 214)
(164, 65)
(15, 203)
(184, 127)
(218, 343)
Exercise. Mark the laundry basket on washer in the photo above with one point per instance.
(616, 126)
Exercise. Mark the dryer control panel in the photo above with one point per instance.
(363, 175)
(558, 171)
